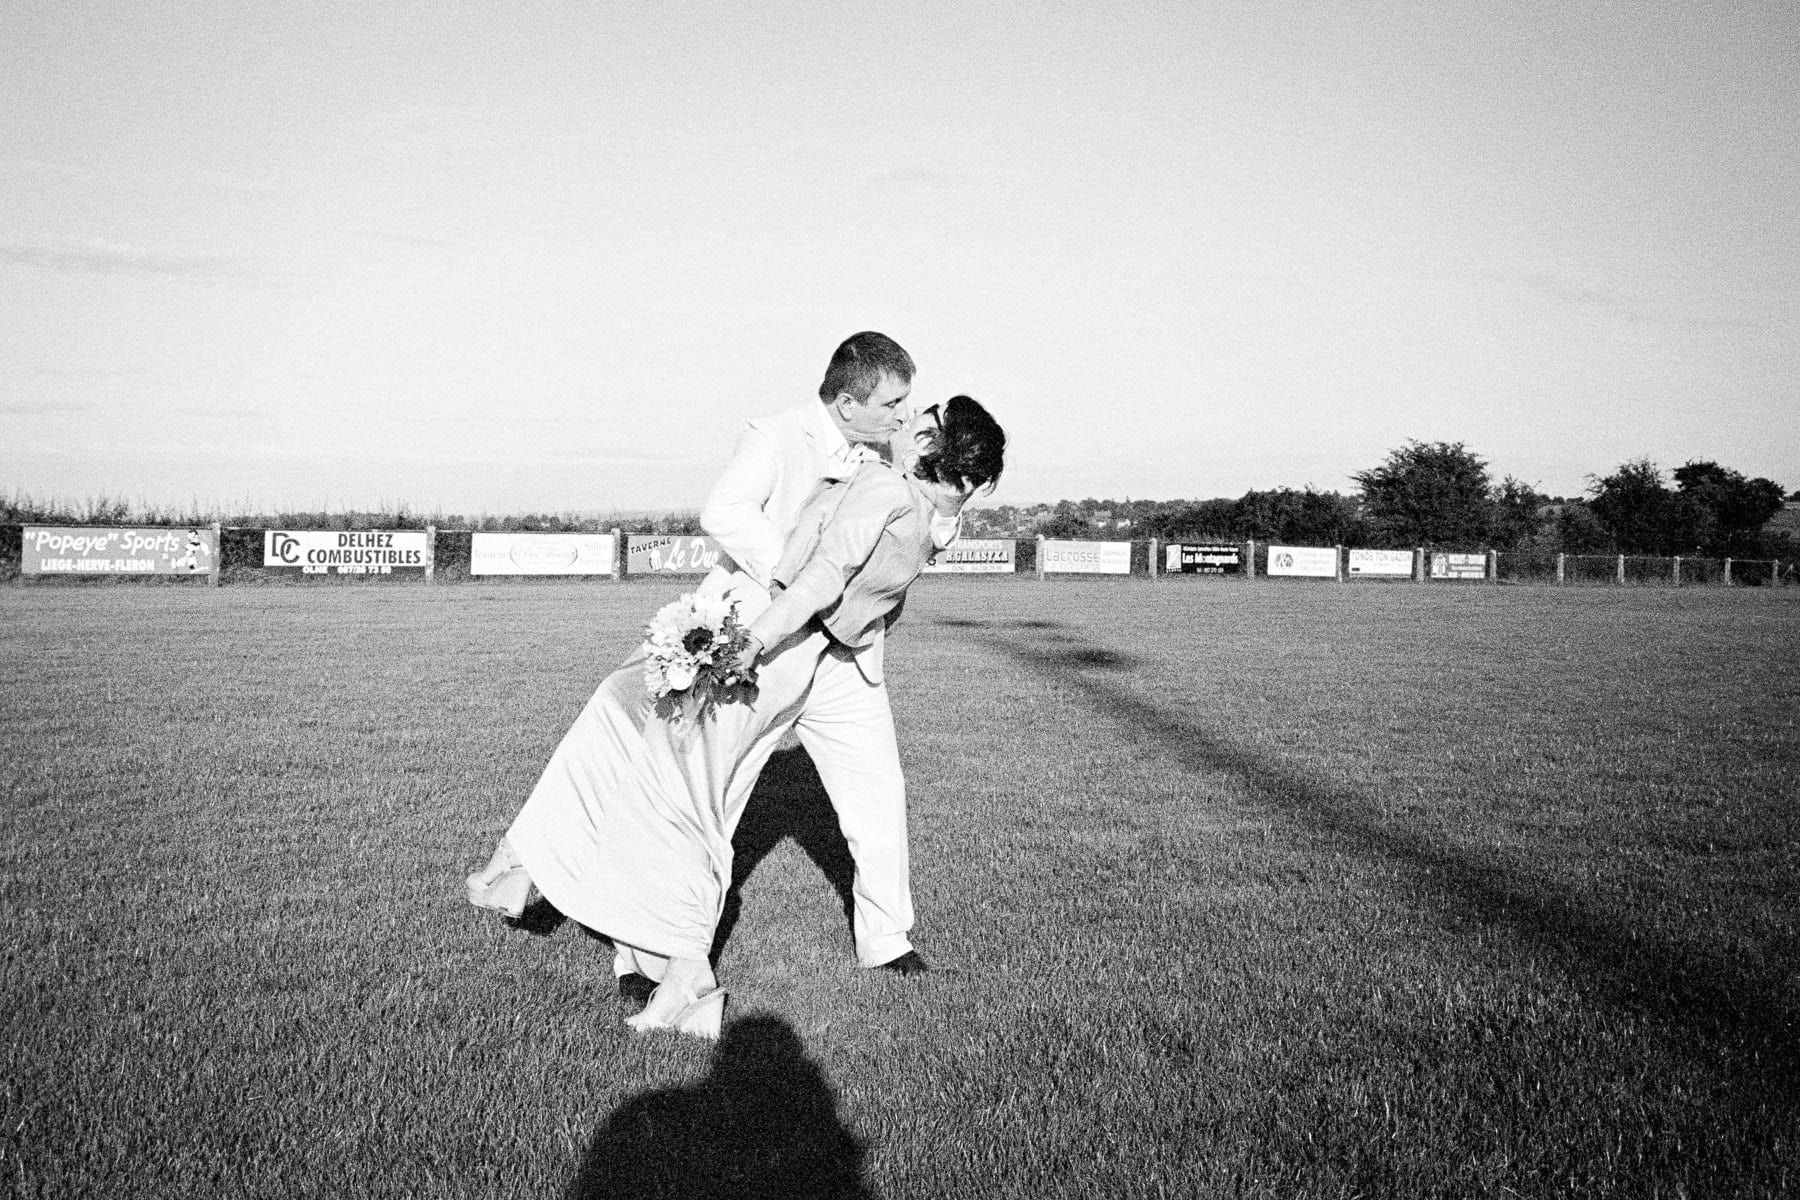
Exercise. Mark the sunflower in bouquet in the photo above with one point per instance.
(691, 651)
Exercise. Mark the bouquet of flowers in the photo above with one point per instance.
(690, 656)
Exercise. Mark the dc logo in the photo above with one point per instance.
(285, 547)
(1284, 560)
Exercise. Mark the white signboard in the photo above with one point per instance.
(979, 556)
(1381, 562)
(57, 549)
(1089, 558)
(666, 554)
(358, 552)
(1459, 566)
(543, 554)
(1314, 562)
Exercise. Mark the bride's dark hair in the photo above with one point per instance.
(968, 446)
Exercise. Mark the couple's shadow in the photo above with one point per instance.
(764, 1123)
(789, 801)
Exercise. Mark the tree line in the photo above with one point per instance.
(1441, 495)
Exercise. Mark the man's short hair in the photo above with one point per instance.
(860, 363)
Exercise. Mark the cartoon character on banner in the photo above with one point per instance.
(194, 554)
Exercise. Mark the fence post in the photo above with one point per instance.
(1040, 556)
(212, 576)
(1678, 570)
(431, 554)
(1250, 559)
(1728, 572)
(1418, 564)
(1337, 564)
(1493, 566)
(1559, 566)
(1621, 570)
(1153, 558)
(618, 562)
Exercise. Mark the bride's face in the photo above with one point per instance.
(925, 425)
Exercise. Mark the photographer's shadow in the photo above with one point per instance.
(764, 1123)
(789, 801)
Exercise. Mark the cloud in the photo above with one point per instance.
(918, 175)
(1561, 288)
(227, 414)
(30, 408)
(1579, 293)
(170, 179)
(69, 372)
(404, 237)
(96, 257)
(953, 163)
(424, 130)
(1692, 310)
(42, 168)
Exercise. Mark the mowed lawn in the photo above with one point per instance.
(1266, 889)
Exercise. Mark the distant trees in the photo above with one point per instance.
(1440, 494)
(1638, 513)
(1309, 517)
(1066, 525)
(1427, 494)
(1711, 510)
(1734, 509)
(1304, 515)
(1516, 518)
(1578, 531)
(1192, 520)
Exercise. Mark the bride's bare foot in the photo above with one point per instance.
(689, 1000)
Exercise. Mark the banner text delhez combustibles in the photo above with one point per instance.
(358, 553)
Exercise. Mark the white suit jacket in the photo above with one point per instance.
(750, 511)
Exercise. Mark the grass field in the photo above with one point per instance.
(1241, 890)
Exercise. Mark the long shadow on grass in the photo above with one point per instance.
(1705, 1003)
(789, 801)
(764, 1123)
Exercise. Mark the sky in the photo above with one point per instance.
(547, 256)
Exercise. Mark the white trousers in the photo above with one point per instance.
(847, 726)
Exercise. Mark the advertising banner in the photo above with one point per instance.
(975, 556)
(59, 550)
(660, 554)
(1393, 563)
(1459, 566)
(347, 552)
(1186, 558)
(543, 554)
(1313, 562)
(1087, 558)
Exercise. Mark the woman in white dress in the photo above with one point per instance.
(629, 828)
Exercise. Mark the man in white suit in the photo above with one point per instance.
(847, 725)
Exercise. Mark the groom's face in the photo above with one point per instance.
(876, 420)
